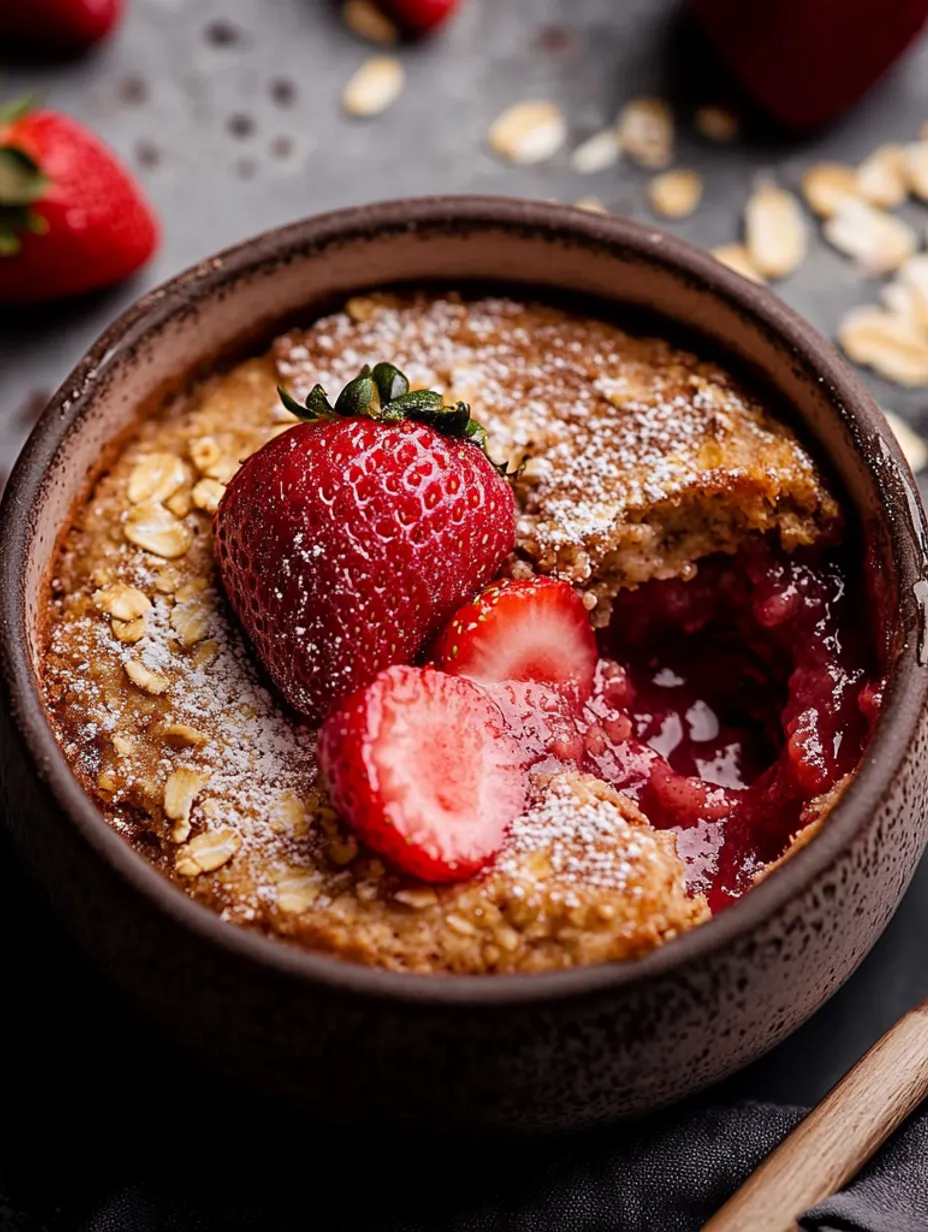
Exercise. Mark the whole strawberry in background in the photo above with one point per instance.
(60, 25)
(347, 543)
(72, 219)
(418, 17)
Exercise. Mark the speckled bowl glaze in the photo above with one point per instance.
(551, 1051)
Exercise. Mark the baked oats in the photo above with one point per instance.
(638, 462)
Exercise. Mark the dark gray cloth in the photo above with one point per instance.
(103, 1128)
(668, 1175)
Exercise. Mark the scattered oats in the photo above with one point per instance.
(128, 631)
(224, 470)
(913, 446)
(369, 22)
(529, 132)
(179, 735)
(536, 469)
(156, 529)
(205, 654)
(149, 681)
(596, 153)
(717, 123)
(167, 580)
(207, 852)
(877, 241)
(889, 344)
(418, 899)
(882, 177)
(907, 294)
(459, 925)
(180, 791)
(737, 258)
(207, 494)
(374, 86)
(190, 621)
(592, 205)
(205, 453)
(825, 185)
(296, 894)
(193, 586)
(361, 308)
(156, 477)
(675, 194)
(342, 852)
(645, 132)
(916, 168)
(290, 813)
(121, 601)
(124, 746)
(775, 231)
(179, 504)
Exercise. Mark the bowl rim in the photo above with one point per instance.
(876, 445)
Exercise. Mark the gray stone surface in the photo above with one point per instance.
(228, 112)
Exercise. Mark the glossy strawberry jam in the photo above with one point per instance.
(727, 706)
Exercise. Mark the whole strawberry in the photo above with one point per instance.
(68, 25)
(419, 17)
(345, 544)
(71, 217)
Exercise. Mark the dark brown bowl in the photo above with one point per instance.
(555, 1050)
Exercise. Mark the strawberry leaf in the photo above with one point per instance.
(317, 403)
(391, 383)
(382, 393)
(316, 407)
(17, 108)
(359, 397)
(21, 178)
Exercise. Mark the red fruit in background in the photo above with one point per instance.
(419, 16)
(72, 219)
(348, 542)
(807, 61)
(65, 24)
(533, 629)
(419, 765)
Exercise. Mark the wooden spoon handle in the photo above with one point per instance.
(837, 1138)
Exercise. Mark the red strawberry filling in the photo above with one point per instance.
(724, 705)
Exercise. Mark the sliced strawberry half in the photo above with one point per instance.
(420, 766)
(522, 629)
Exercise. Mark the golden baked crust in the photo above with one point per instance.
(642, 459)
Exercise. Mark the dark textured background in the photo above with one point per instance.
(228, 111)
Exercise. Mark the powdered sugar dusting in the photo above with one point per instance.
(617, 430)
(589, 839)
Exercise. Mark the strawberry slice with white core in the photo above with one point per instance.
(420, 766)
(522, 629)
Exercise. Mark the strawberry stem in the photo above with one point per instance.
(22, 184)
(382, 393)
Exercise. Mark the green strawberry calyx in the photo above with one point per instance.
(22, 184)
(382, 393)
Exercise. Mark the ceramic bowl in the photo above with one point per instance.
(547, 1051)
